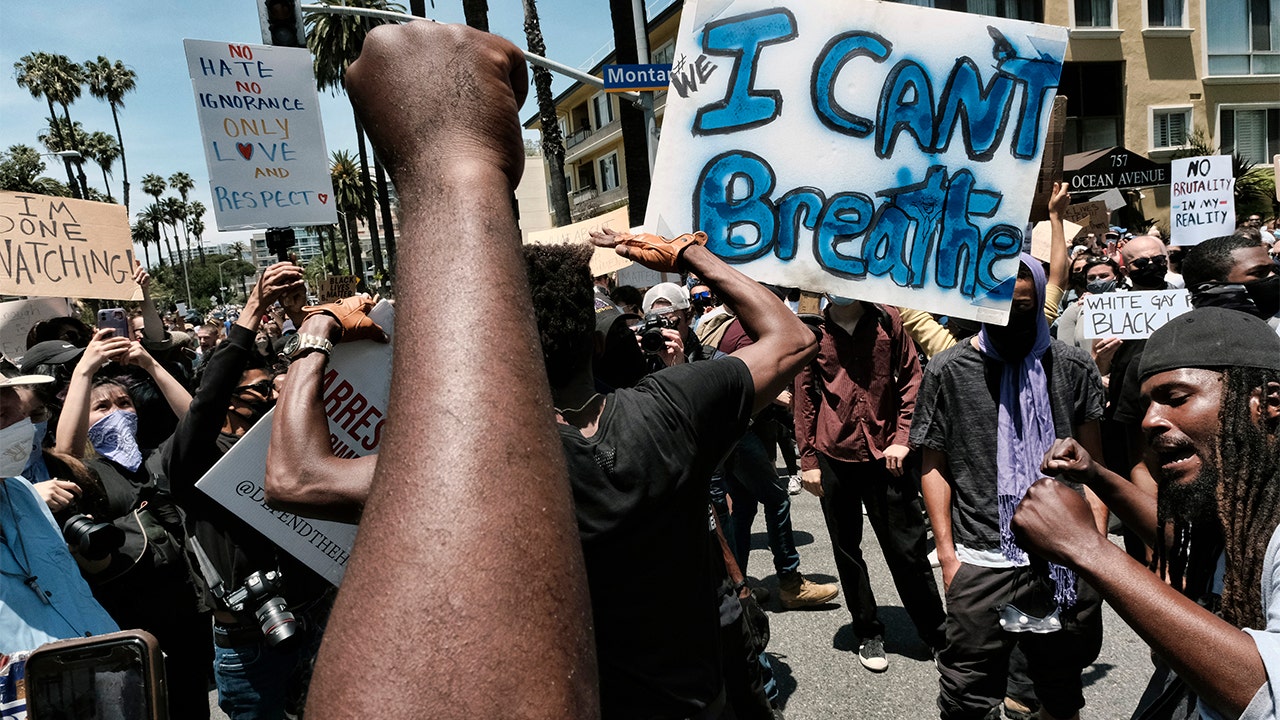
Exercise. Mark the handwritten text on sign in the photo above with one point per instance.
(53, 246)
(354, 394)
(1201, 199)
(263, 140)
(831, 145)
(1131, 315)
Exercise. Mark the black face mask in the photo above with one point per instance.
(1260, 298)
(1097, 287)
(1150, 275)
(1015, 340)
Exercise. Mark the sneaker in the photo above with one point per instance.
(793, 485)
(1014, 710)
(871, 655)
(799, 592)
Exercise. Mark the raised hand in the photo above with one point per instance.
(1069, 458)
(652, 251)
(1054, 522)
(102, 349)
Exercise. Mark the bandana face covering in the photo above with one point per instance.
(115, 437)
(15, 447)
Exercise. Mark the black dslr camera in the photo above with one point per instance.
(92, 540)
(261, 590)
(650, 331)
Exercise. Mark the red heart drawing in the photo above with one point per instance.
(324, 198)
(246, 150)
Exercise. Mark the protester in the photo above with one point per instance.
(1212, 377)
(1235, 273)
(986, 409)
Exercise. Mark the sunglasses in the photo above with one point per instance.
(263, 387)
(1139, 263)
(704, 295)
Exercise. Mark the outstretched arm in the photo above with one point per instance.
(73, 423)
(440, 104)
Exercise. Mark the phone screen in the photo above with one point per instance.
(116, 319)
(95, 683)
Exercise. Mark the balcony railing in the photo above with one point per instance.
(577, 137)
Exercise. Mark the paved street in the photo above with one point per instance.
(814, 651)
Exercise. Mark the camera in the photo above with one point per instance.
(650, 331)
(261, 589)
(91, 540)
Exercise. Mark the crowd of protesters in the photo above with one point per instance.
(575, 544)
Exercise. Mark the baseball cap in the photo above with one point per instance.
(671, 292)
(11, 376)
(1211, 337)
(49, 352)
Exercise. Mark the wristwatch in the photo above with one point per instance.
(300, 344)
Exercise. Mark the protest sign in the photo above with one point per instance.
(19, 316)
(337, 287)
(355, 390)
(1131, 315)
(1042, 238)
(1051, 161)
(833, 146)
(1202, 200)
(604, 260)
(59, 247)
(1088, 217)
(263, 140)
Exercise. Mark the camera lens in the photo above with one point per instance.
(93, 541)
(653, 341)
(278, 624)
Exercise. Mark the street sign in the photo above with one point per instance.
(627, 78)
(1112, 169)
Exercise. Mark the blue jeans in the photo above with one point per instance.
(751, 478)
(254, 680)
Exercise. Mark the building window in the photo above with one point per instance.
(1243, 37)
(663, 55)
(609, 172)
(1169, 127)
(1032, 10)
(1093, 14)
(602, 105)
(1252, 133)
(1095, 105)
(1165, 14)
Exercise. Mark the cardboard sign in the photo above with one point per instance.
(1042, 238)
(19, 316)
(1131, 315)
(604, 260)
(1051, 161)
(1202, 201)
(833, 146)
(337, 287)
(59, 247)
(1089, 217)
(356, 388)
(263, 140)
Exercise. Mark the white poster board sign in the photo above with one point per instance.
(603, 260)
(833, 145)
(356, 388)
(1202, 201)
(1131, 315)
(263, 140)
(17, 317)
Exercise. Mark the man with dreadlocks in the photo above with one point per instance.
(1211, 378)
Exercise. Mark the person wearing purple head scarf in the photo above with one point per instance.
(988, 410)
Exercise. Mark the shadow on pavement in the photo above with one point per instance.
(900, 636)
(760, 541)
(782, 675)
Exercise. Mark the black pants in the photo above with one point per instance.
(897, 516)
(975, 661)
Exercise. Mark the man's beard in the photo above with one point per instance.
(1196, 541)
(1193, 503)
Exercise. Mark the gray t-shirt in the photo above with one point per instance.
(1266, 702)
(957, 412)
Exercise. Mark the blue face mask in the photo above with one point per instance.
(36, 470)
(116, 437)
(841, 301)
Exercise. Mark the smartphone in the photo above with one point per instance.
(119, 676)
(116, 319)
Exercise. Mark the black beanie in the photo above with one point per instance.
(1211, 337)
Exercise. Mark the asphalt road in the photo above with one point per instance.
(814, 651)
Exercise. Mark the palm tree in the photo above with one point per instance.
(36, 73)
(154, 185)
(66, 90)
(552, 142)
(103, 149)
(144, 234)
(195, 223)
(153, 215)
(335, 42)
(175, 211)
(347, 194)
(476, 14)
(237, 250)
(182, 183)
(20, 169)
(58, 138)
(110, 82)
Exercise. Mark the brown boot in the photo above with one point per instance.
(796, 591)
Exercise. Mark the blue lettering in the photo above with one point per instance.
(840, 50)
(722, 213)
(799, 208)
(906, 103)
(741, 38)
(985, 110)
(846, 216)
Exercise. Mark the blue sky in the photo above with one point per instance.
(158, 122)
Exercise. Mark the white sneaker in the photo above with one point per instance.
(793, 485)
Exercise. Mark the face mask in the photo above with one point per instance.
(35, 470)
(1015, 340)
(1097, 287)
(1265, 294)
(1150, 275)
(15, 447)
(841, 301)
(116, 437)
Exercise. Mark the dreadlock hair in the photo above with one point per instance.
(1249, 496)
(563, 304)
(1211, 261)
